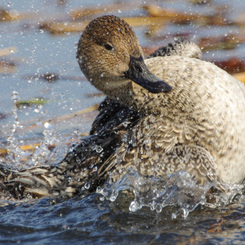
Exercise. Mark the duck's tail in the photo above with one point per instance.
(76, 173)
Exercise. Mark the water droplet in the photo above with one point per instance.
(134, 206)
(102, 198)
(173, 215)
(48, 125)
(87, 185)
(98, 148)
(113, 197)
(158, 208)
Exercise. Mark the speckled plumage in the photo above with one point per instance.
(203, 113)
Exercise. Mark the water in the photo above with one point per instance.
(133, 210)
(92, 221)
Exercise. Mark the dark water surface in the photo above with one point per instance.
(92, 219)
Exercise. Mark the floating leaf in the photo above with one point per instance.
(116, 7)
(12, 15)
(29, 147)
(80, 13)
(146, 21)
(3, 152)
(184, 18)
(232, 65)
(7, 51)
(7, 67)
(63, 27)
(66, 27)
(28, 103)
(221, 42)
(240, 76)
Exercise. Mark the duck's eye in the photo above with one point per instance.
(108, 46)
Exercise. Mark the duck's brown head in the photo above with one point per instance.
(110, 56)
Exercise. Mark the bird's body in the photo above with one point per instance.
(203, 114)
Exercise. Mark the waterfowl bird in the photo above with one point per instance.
(169, 112)
(191, 112)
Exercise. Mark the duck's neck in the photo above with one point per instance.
(137, 98)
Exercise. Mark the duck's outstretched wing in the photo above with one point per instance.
(78, 171)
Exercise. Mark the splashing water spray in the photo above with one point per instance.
(15, 154)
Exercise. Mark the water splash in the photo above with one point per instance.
(46, 152)
(15, 154)
(177, 190)
(50, 149)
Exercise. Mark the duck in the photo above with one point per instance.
(171, 111)
(191, 112)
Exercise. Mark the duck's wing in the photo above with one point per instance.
(112, 117)
(193, 159)
(180, 47)
(78, 171)
(87, 167)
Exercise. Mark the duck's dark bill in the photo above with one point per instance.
(140, 74)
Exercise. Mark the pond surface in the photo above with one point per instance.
(93, 219)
